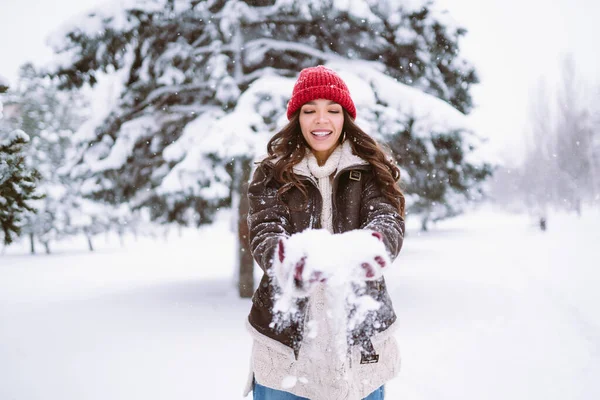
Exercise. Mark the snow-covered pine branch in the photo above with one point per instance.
(3, 84)
(258, 47)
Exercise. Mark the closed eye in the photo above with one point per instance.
(313, 111)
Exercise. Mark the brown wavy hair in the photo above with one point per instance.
(289, 147)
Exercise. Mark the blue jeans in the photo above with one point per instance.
(261, 392)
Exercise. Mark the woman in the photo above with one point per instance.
(322, 172)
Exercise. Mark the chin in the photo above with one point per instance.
(324, 147)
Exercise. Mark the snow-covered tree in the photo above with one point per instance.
(17, 181)
(49, 117)
(540, 175)
(203, 84)
(574, 138)
(594, 150)
(441, 179)
(17, 184)
(3, 84)
(560, 160)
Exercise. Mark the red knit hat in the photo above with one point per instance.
(320, 83)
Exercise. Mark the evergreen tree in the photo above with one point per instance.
(204, 83)
(179, 64)
(51, 117)
(17, 183)
(441, 179)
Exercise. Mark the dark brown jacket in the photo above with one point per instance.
(357, 204)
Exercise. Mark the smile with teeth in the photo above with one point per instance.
(321, 133)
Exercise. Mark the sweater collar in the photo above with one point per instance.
(330, 166)
(347, 160)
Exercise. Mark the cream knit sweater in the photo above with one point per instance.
(319, 373)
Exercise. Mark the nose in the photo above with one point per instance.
(321, 116)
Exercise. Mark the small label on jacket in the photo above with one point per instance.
(369, 358)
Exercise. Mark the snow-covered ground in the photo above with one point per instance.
(489, 308)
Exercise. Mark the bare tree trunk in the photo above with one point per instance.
(245, 261)
(241, 175)
(89, 240)
(47, 247)
(32, 243)
(424, 223)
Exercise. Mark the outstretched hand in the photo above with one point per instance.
(366, 253)
(292, 265)
(314, 256)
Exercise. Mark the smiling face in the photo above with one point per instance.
(321, 123)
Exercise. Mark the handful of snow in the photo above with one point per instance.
(314, 256)
(338, 264)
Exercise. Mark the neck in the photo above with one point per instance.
(322, 156)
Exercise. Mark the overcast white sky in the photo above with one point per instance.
(512, 43)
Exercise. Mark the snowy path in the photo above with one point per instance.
(497, 310)
(489, 308)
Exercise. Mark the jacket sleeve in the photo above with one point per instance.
(268, 218)
(378, 214)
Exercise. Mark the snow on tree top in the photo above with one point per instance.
(3, 84)
(106, 15)
(12, 137)
(367, 84)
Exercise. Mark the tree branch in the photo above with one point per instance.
(281, 45)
